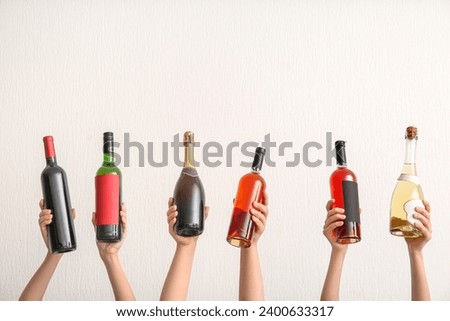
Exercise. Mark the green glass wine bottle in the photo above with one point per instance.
(108, 195)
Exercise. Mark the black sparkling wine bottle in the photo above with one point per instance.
(61, 231)
(189, 195)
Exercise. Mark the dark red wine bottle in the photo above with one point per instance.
(61, 231)
(189, 195)
(108, 195)
(344, 190)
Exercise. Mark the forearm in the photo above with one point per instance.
(36, 287)
(419, 283)
(330, 291)
(119, 282)
(176, 285)
(251, 287)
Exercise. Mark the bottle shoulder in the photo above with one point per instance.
(106, 169)
(53, 169)
(253, 177)
(343, 173)
(189, 184)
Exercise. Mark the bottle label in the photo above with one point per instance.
(409, 178)
(410, 209)
(351, 201)
(107, 198)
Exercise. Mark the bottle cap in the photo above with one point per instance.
(49, 146)
(411, 133)
(188, 137)
(108, 136)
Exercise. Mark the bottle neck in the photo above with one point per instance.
(341, 157)
(258, 160)
(189, 155)
(409, 165)
(256, 170)
(108, 159)
(51, 161)
(108, 151)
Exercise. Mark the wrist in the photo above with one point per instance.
(338, 250)
(414, 251)
(109, 258)
(54, 256)
(189, 246)
(252, 248)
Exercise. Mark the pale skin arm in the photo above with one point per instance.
(176, 285)
(335, 218)
(419, 284)
(36, 287)
(251, 286)
(109, 253)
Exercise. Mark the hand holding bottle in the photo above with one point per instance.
(109, 253)
(251, 285)
(45, 218)
(420, 290)
(172, 214)
(423, 224)
(259, 214)
(176, 284)
(106, 248)
(37, 286)
(335, 218)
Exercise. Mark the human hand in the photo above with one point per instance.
(107, 249)
(172, 214)
(259, 214)
(335, 218)
(423, 224)
(45, 218)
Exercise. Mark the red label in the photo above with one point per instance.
(107, 189)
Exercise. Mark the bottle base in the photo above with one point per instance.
(108, 240)
(64, 250)
(407, 232)
(109, 233)
(188, 230)
(348, 240)
(239, 242)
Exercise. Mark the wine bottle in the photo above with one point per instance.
(408, 193)
(189, 195)
(250, 189)
(108, 195)
(61, 231)
(344, 190)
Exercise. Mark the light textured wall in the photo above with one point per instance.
(229, 71)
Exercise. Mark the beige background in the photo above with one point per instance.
(230, 71)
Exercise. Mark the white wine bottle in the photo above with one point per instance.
(408, 193)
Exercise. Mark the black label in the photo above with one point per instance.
(351, 201)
